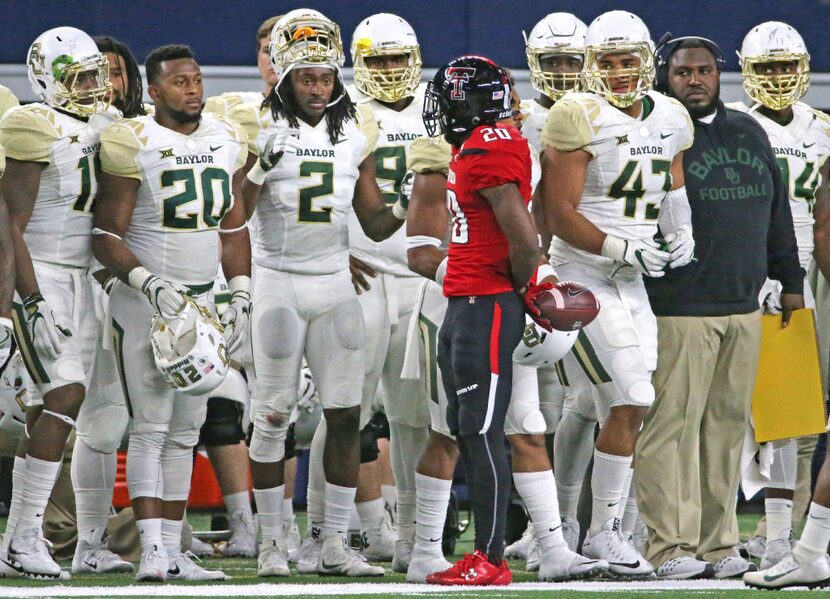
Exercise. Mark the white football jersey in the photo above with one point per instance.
(303, 208)
(801, 147)
(60, 228)
(185, 191)
(397, 131)
(535, 116)
(630, 168)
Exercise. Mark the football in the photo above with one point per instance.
(569, 306)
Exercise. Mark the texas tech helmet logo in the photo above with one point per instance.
(458, 76)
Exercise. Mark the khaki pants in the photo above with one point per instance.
(688, 454)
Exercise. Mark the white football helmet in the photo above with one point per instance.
(56, 59)
(618, 32)
(558, 33)
(772, 42)
(305, 37)
(190, 351)
(14, 386)
(384, 34)
(539, 348)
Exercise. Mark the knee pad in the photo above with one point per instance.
(348, 325)
(282, 338)
(223, 425)
(176, 470)
(144, 475)
(631, 378)
(106, 439)
(290, 443)
(267, 440)
(368, 445)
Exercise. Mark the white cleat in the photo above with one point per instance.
(534, 556)
(8, 567)
(685, 568)
(97, 559)
(379, 543)
(293, 541)
(201, 548)
(623, 560)
(562, 564)
(778, 549)
(755, 547)
(338, 559)
(273, 559)
(733, 566)
(423, 564)
(309, 555)
(790, 573)
(519, 549)
(243, 535)
(570, 530)
(402, 556)
(30, 551)
(153, 565)
(182, 567)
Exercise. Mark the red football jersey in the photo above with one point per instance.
(479, 257)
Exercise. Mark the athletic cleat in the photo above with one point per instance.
(520, 548)
(293, 541)
(778, 549)
(733, 566)
(685, 568)
(379, 543)
(31, 553)
(790, 573)
(561, 564)
(338, 559)
(309, 555)
(97, 559)
(243, 535)
(473, 570)
(153, 566)
(423, 564)
(623, 560)
(200, 548)
(402, 555)
(273, 559)
(9, 568)
(534, 556)
(182, 567)
(755, 547)
(570, 530)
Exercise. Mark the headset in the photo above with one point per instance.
(668, 45)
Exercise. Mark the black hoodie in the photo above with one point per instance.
(743, 228)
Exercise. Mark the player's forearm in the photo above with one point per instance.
(425, 260)
(114, 255)
(25, 280)
(250, 195)
(380, 224)
(236, 254)
(524, 258)
(572, 227)
(7, 271)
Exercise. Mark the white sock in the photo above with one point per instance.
(779, 514)
(568, 499)
(406, 444)
(390, 496)
(171, 536)
(624, 495)
(607, 482)
(149, 534)
(339, 503)
(269, 510)
(287, 512)
(316, 491)
(814, 540)
(632, 512)
(432, 496)
(93, 478)
(573, 447)
(17, 498)
(371, 513)
(238, 501)
(40, 477)
(405, 515)
(538, 490)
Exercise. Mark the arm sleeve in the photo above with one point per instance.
(119, 151)
(568, 126)
(27, 135)
(428, 155)
(782, 249)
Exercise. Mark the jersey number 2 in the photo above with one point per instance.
(460, 230)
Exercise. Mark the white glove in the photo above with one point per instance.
(236, 318)
(402, 205)
(47, 335)
(166, 299)
(642, 255)
(6, 340)
(681, 245)
(275, 147)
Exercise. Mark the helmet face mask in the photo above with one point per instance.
(386, 35)
(67, 71)
(766, 78)
(559, 37)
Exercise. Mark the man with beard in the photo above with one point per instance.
(709, 325)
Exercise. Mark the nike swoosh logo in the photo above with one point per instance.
(809, 145)
(769, 578)
(555, 529)
(431, 540)
(213, 149)
(340, 141)
(575, 292)
(613, 504)
(631, 565)
(12, 565)
(327, 566)
(666, 135)
(91, 563)
(173, 572)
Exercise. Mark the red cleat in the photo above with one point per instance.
(473, 570)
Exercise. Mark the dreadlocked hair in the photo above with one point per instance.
(133, 105)
(284, 105)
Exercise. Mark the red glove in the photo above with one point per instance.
(532, 292)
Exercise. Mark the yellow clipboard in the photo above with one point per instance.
(789, 397)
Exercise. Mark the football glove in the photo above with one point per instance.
(642, 255)
(47, 335)
(306, 391)
(681, 246)
(165, 298)
(276, 146)
(530, 295)
(235, 320)
(6, 340)
(400, 207)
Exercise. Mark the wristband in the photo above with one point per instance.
(399, 211)
(137, 277)
(614, 248)
(257, 174)
(240, 283)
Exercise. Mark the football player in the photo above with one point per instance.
(50, 181)
(7, 101)
(603, 237)
(387, 74)
(314, 166)
(166, 203)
